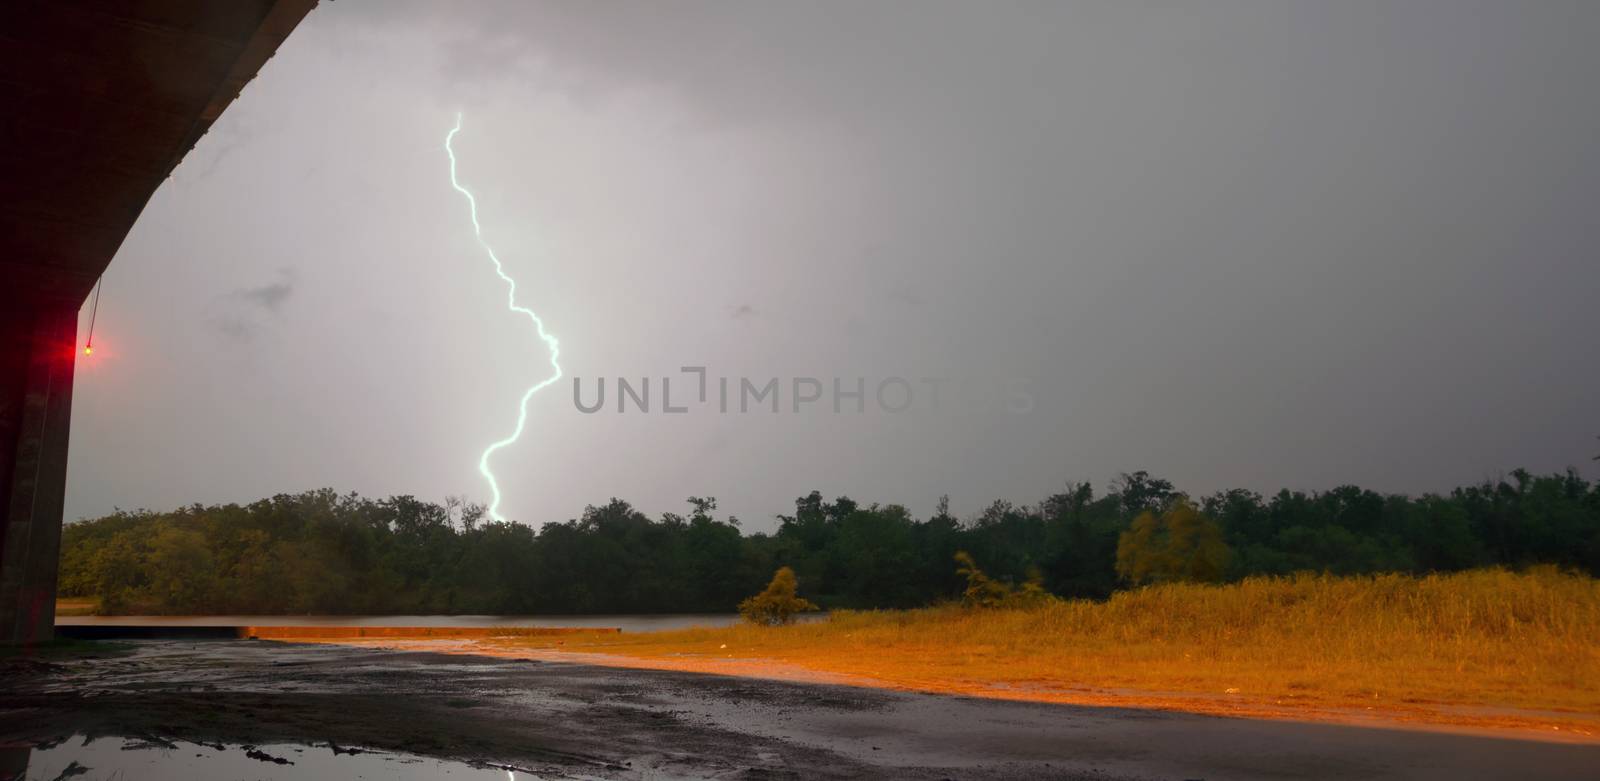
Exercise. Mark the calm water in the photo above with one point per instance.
(628, 623)
(133, 759)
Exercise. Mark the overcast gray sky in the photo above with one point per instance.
(1256, 244)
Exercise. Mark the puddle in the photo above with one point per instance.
(80, 758)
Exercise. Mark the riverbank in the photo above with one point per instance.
(1485, 649)
(77, 606)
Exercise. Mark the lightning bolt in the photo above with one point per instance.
(511, 303)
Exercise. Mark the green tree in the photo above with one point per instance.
(778, 604)
(116, 571)
(320, 551)
(181, 569)
(1140, 492)
(1179, 544)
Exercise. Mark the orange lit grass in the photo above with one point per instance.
(1487, 648)
(77, 606)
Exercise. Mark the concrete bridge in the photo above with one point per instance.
(102, 101)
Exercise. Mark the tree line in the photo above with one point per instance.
(325, 552)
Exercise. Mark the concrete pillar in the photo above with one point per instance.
(38, 344)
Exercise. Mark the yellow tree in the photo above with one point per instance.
(1179, 544)
(779, 603)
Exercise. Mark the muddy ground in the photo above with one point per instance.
(567, 720)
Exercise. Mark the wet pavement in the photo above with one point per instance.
(475, 717)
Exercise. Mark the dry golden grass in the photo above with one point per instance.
(1408, 647)
(77, 606)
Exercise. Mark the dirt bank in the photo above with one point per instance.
(1562, 725)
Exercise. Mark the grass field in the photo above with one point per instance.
(1482, 647)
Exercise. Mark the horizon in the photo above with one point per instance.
(1101, 490)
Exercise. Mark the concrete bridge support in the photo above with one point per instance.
(102, 101)
(38, 343)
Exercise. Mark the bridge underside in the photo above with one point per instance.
(103, 99)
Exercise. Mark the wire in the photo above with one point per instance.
(94, 311)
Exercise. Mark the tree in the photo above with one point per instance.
(182, 571)
(1079, 553)
(778, 604)
(1180, 544)
(323, 551)
(1140, 492)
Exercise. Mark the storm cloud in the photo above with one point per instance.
(1252, 244)
(269, 296)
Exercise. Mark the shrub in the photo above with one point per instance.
(778, 604)
(984, 591)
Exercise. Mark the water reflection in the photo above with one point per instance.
(83, 758)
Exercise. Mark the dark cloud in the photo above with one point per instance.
(1237, 243)
(271, 296)
(247, 310)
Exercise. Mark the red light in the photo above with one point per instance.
(87, 350)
